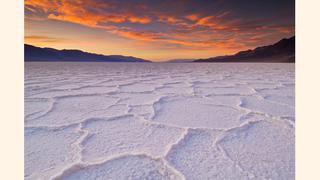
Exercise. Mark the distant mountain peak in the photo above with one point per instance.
(282, 51)
(33, 53)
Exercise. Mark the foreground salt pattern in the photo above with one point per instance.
(159, 121)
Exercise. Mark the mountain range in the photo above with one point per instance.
(282, 51)
(33, 53)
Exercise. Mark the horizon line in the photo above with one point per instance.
(162, 60)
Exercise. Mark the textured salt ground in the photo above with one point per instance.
(159, 121)
(196, 112)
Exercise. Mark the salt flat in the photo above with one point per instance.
(159, 121)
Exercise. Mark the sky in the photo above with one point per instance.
(158, 30)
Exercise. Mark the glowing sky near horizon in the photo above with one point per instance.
(159, 29)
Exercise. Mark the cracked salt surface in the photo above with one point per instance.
(159, 121)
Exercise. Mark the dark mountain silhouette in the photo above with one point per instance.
(33, 53)
(282, 51)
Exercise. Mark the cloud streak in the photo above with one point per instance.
(44, 39)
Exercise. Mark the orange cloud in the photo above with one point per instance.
(168, 19)
(43, 39)
(213, 22)
(285, 30)
(44, 5)
(193, 17)
(141, 20)
(76, 11)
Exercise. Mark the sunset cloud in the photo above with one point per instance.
(192, 17)
(188, 23)
(43, 39)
